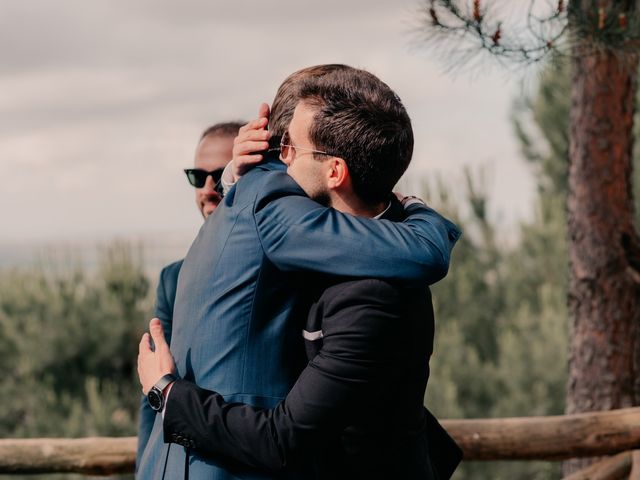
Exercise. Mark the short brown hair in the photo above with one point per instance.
(361, 120)
(222, 129)
(286, 97)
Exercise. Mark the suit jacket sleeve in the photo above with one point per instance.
(165, 296)
(299, 234)
(319, 406)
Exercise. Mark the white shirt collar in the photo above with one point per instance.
(383, 212)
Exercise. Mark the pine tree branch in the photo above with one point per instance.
(566, 27)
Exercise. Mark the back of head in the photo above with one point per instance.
(361, 120)
(286, 97)
(222, 129)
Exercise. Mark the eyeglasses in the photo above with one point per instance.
(198, 177)
(285, 145)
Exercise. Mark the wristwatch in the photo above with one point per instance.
(155, 397)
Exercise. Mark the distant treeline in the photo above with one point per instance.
(68, 347)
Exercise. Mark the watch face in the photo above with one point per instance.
(155, 399)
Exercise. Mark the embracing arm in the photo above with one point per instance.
(323, 401)
(300, 234)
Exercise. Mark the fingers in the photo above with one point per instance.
(144, 346)
(253, 135)
(256, 124)
(157, 333)
(263, 111)
(244, 150)
(407, 200)
(260, 122)
(252, 138)
(250, 141)
(249, 147)
(245, 160)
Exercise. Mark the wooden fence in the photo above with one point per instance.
(615, 433)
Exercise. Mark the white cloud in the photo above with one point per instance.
(102, 102)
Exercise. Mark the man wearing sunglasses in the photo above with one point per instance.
(213, 153)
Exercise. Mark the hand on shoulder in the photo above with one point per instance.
(407, 200)
(252, 137)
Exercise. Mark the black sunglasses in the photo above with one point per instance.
(198, 177)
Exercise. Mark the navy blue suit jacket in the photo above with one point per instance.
(356, 411)
(165, 298)
(236, 315)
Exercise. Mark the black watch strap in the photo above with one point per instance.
(155, 396)
(164, 381)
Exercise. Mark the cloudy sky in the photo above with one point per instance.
(102, 102)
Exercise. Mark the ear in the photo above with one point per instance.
(338, 175)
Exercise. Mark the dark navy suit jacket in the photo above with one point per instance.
(237, 310)
(165, 298)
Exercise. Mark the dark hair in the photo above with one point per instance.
(287, 95)
(361, 120)
(223, 129)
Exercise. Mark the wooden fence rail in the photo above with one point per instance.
(531, 438)
(548, 438)
(96, 456)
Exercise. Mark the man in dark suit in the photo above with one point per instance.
(239, 299)
(213, 153)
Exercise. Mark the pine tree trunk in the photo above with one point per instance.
(604, 299)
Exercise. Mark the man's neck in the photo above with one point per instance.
(355, 206)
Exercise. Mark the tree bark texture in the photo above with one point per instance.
(617, 467)
(604, 299)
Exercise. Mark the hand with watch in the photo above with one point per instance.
(154, 364)
(156, 397)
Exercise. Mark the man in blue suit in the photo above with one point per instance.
(213, 153)
(238, 309)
